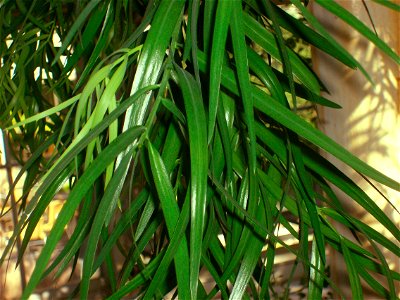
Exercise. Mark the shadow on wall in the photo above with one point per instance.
(368, 125)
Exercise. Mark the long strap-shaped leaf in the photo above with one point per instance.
(350, 19)
(140, 279)
(250, 258)
(66, 159)
(171, 213)
(323, 167)
(287, 118)
(88, 36)
(315, 286)
(176, 238)
(355, 283)
(75, 197)
(196, 119)
(241, 60)
(332, 46)
(75, 27)
(389, 3)
(256, 32)
(101, 43)
(305, 130)
(104, 211)
(152, 56)
(223, 15)
(46, 113)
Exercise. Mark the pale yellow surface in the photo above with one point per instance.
(368, 125)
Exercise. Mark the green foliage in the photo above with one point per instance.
(178, 132)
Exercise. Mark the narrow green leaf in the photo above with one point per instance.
(377, 286)
(329, 44)
(266, 75)
(152, 57)
(315, 285)
(32, 159)
(122, 225)
(210, 8)
(214, 273)
(172, 146)
(168, 104)
(103, 214)
(38, 212)
(317, 163)
(391, 4)
(223, 15)
(355, 283)
(93, 82)
(306, 190)
(238, 222)
(75, 27)
(283, 50)
(240, 55)
(101, 43)
(256, 32)
(351, 222)
(66, 213)
(69, 250)
(137, 249)
(139, 279)
(194, 15)
(305, 130)
(250, 257)
(171, 213)
(287, 118)
(196, 119)
(88, 35)
(106, 101)
(385, 268)
(373, 266)
(266, 280)
(176, 238)
(350, 19)
(46, 113)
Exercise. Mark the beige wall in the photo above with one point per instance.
(368, 125)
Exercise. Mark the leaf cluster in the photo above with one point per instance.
(178, 136)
